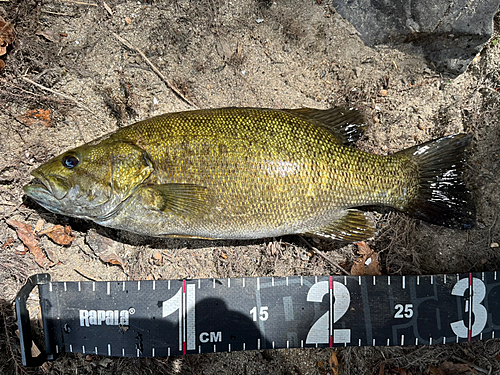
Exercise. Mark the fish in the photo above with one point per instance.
(250, 173)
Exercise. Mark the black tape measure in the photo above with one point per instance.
(175, 317)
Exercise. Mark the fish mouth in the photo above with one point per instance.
(41, 187)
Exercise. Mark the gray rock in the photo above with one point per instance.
(449, 32)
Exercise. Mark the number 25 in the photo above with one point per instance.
(405, 311)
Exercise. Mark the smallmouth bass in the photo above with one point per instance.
(247, 173)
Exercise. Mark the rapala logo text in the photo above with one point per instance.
(104, 317)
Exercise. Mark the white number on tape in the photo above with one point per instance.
(319, 332)
(478, 311)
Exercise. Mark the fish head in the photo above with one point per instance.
(91, 181)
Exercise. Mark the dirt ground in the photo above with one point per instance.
(282, 54)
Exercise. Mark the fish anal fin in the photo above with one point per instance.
(347, 125)
(187, 200)
(353, 226)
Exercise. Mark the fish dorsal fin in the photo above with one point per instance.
(178, 199)
(353, 226)
(346, 124)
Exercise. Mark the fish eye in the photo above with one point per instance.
(70, 161)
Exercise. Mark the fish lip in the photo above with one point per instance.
(44, 185)
(41, 182)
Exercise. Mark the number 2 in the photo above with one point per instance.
(319, 333)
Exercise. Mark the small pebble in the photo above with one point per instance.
(259, 20)
(128, 21)
(494, 244)
(382, 93)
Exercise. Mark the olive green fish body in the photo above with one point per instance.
(243, 173)
(267, 173)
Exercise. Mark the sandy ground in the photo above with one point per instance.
(283, 54)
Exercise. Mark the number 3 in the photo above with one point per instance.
(479, 311)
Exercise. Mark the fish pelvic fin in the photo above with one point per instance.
(347, 125)
(186, 200)
(442, 196)
(353, 226)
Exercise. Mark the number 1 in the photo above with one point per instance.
(176, 303)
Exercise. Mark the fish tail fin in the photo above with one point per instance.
(442, 197)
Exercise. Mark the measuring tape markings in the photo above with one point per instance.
(189, 316)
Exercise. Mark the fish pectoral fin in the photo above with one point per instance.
(353, 226)
(178, 199)
(347, 125)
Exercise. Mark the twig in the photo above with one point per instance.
(491, 227)
(55, 13)
(8, 204)
(323, 255)
(108, 9)
(17, 365)
(83, 274)
(58, 93)
(9, 214)
(471, 365)
(167, 82)
(79, 3)
(28, 92)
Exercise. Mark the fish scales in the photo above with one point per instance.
(268, 172)
(237, 173)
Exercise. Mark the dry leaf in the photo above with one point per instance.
(60, 235)
(6, 35)
(358, 269)
(367, 263)
(373, 268)
(26, 235)
(381, 370)
(37, 116)
(399, 371)
(449, 368)
(105, 248)
(52, 257)
(157, 258)
(50, 35)
(8, 243)
(334, 363)
(38, 226)
(434, 370)
(364, 249)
